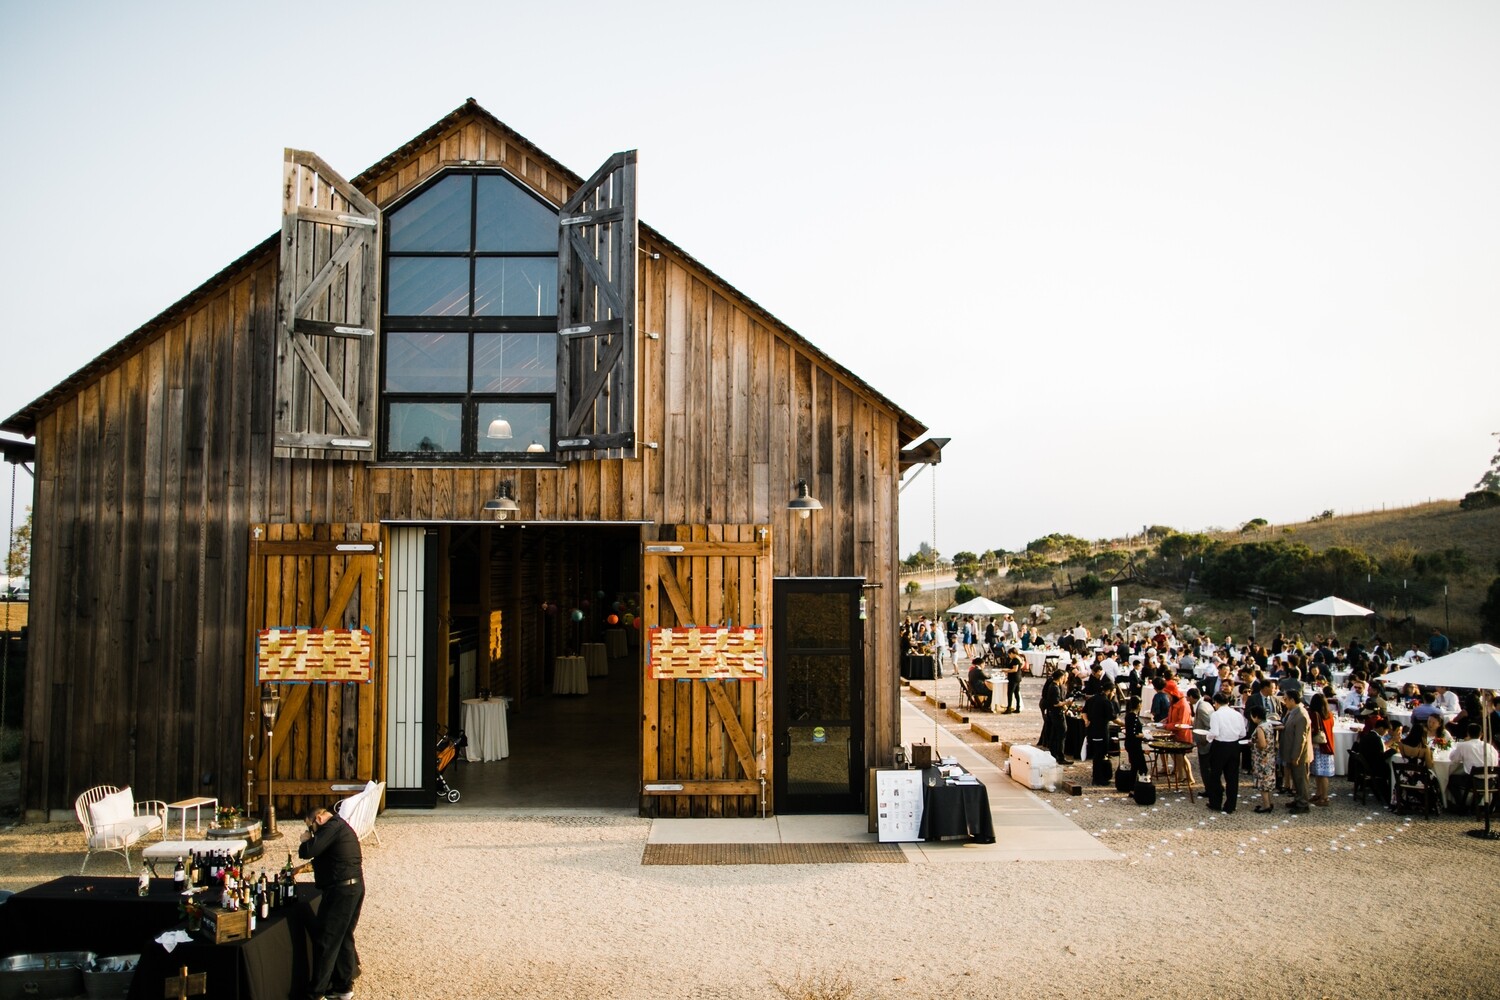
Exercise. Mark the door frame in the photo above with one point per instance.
(852, 801)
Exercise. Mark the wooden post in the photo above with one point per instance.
(184, 985)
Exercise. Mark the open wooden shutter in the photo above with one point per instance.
(705, 741)
(321, 576)
(327, 312)
(597, 402)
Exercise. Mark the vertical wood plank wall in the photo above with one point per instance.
(147, 477)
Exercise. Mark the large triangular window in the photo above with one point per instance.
(470, 322)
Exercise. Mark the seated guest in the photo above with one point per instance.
(1469, 753)
(1417, 743)
(1445, 700)
(1095, 681)
(980, 692)
(1373, 748)
(1353, 700)
(1427, 708)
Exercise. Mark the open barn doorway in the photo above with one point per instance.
(540, 627)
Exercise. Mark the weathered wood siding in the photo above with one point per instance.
(148, 476)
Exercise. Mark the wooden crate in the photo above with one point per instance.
(220, 925)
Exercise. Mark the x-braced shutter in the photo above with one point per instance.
(597, 401)
(327, 315)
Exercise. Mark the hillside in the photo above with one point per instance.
(1394, 539)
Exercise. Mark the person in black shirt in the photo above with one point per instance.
(333, 848)
(980, 692)
(1054, 727)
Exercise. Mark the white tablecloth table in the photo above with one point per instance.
(570, 675)
(1343, 739)
(485, 726)
(595, 655)
(614, 641)
(1402, 716)
(1036, 659)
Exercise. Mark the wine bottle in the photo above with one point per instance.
(179, 875)
(143, 884)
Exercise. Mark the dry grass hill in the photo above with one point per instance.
(1393, 538)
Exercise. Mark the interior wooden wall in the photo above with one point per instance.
(148, 475)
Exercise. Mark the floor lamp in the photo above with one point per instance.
(270, 704)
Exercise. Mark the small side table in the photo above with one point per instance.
(248, 830)
(196, 805)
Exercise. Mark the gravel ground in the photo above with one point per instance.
(498, 904)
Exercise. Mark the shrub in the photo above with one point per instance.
(963, 593)
(1089, 585)
(1479, 500)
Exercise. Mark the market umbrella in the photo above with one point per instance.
(979, 606)
(1333, 607)
(1470, 667)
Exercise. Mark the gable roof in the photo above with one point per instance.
(25, 420)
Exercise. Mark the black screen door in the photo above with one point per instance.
(818, 668)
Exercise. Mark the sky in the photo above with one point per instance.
(1143, 262)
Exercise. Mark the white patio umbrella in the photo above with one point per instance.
(1333, 607)
(1471, 667)
(979, 606)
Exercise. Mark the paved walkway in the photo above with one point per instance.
(1026, 827)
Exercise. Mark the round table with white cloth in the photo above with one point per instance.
(597, 658)
(485, 726)
(570, 675)
(614, 641)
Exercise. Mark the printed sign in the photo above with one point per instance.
(708, 653)
(314, 655)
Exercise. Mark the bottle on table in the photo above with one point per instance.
(143, 884)
(179, 875)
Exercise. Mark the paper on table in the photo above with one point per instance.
(171, 939)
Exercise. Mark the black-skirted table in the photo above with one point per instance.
(954, 810)
(272, 964)
(79, 913)
(916, 668)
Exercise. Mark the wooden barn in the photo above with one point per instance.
(463, 414)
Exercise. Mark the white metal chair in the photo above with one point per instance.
(360, 810)
(113, 821)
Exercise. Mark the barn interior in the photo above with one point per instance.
(542, 619)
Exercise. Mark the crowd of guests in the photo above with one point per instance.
(1268, 709)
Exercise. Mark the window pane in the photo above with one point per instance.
(507, 218)
(437, 219)
(817, 761)
(427, 362)
(429, 428)
(428, 286)
(818, 621)
(515, 362)
(529, 422)
(817, 687)
(515, 286)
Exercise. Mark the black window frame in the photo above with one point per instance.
(469, 453)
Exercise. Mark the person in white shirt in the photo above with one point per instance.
(1226, 727)
(1353, 700)
(1446, 701)
(1009, 632)
(1111, 669)
(1469, 753)
(1080, 634)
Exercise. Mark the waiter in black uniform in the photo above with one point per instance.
(333, 847)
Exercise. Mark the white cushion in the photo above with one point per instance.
(116, 807)
(122, 834)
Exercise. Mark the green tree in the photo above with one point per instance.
(964, 592)
(18, 560)
(1491, 478)
(913, 587)
(1089, 585)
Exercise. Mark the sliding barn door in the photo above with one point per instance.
(705, 741)
(315, 576)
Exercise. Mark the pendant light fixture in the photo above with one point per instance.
(804, 503)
